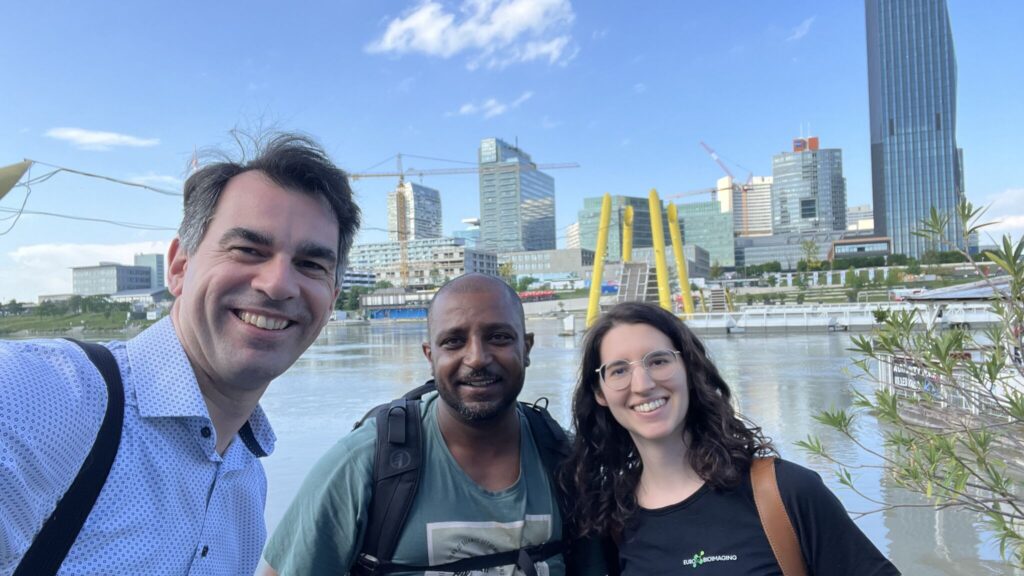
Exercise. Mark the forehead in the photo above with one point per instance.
(474, 306)
(632, 342)
(252, 200)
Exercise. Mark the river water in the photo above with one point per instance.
(779, 382)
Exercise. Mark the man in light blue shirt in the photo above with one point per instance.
(255, 271)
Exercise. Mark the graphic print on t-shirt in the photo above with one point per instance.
(700, 558)
(451, 541)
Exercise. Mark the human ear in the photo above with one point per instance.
(177, 265)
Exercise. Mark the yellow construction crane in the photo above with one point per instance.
(401, 209)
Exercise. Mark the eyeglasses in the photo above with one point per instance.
(660, 365)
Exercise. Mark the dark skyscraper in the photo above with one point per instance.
(915, 161)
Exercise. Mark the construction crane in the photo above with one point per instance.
(401, 209)
(710, 191)
(743, 188)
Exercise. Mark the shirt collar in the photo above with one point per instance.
(165, 384)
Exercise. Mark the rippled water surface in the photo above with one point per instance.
(780, 382)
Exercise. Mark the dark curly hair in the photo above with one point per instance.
(604, 469)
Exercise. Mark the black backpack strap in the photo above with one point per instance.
(522, 558)
(53, 542)
(396, 477)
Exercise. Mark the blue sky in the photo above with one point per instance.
(627, 90)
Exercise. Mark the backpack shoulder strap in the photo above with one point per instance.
(53, 542)
(774, 519)
(396, 477)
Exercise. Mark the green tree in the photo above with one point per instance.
(809, 248)
(14, 307)
(523, 283)
(381, 284)
(965, 384)
(772, 280)
(716, 270)
(507, 272)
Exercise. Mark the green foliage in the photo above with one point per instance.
(716, 270)
(955, 417)
(861, 261)
(765, 268)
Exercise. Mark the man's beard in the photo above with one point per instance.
(477, 411)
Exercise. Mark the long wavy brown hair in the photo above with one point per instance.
(604, 469)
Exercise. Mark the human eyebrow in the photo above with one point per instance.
(248, 235)
(317, 252)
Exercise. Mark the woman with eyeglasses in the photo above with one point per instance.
(661, 463)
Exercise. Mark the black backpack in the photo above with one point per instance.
(396, 477)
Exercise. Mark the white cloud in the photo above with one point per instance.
(29, 271)
(801, 30)
(547, 123)
(1006, 211)
(97, 140)
(171, 183)
(494, 33)
(491, 107)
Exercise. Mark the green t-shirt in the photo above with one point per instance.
(451, 518)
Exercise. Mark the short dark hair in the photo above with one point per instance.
(605, 466)
(470, 283)
(292, 161)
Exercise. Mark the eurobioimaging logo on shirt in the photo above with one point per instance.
(700, 559)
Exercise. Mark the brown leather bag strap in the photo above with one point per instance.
(774, 519)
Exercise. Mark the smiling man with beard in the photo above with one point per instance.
(483, 486)
(255, 271)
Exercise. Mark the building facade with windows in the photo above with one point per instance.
(750, 204)
(916, 164)
(808, 189)
(705, 224)
(108, 278)
(590, 223)
(155, 262)
(517, 201)
(418, 208)
(428, 262)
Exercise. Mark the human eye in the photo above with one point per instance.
(313, 266)
(502, 338)
(245, 251)
(659, 359)
(616, 369)
(451, 342)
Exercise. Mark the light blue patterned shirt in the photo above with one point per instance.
(171, 504)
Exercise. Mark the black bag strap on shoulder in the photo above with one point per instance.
(396, 476)
(53, 542)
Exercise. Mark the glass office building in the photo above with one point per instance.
(422, 212)
(915, 162)
(517, 201)
(808, 189)
(706, 225)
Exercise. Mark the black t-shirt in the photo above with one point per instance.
(719, 532)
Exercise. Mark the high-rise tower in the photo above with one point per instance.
(517, 201)
(808, 189)
(414, 210)
(915, 161)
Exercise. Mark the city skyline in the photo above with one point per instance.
(590, 83)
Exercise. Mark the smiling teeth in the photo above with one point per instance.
(262, 321)
(481, 383)
(651, 406)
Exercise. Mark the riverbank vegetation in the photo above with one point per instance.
(953, 423)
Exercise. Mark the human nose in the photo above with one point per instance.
(276, 279)
(476, 354)
(643, 379)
